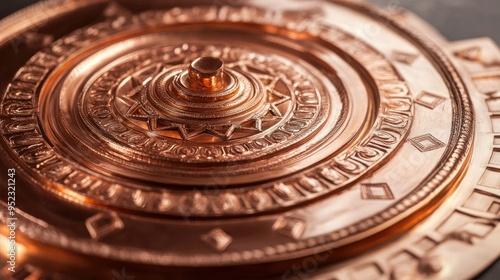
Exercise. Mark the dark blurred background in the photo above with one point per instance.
(455, 19)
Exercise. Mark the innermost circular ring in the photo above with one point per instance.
(182, 85)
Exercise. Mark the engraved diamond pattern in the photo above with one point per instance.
(217, 239)
(376, 191)
(426, 143)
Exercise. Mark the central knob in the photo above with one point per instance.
(206, 74)
(204, 92)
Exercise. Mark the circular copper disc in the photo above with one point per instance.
(197, 138)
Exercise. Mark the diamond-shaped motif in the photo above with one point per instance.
(103, 224)
(217, 239)
(471, 54)
(426, 143)
(376, 191)
(429, 100)
(406, 58)
(289, 226)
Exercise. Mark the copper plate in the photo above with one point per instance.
(246, 139)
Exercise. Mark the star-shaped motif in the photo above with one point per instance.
(140, 111)
(270, 111)
(224, 132)
(137, 109)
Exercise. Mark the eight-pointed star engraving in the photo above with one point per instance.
(140, 111)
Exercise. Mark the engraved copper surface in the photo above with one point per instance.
(247, 139)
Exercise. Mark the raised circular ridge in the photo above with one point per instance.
(467, 122)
